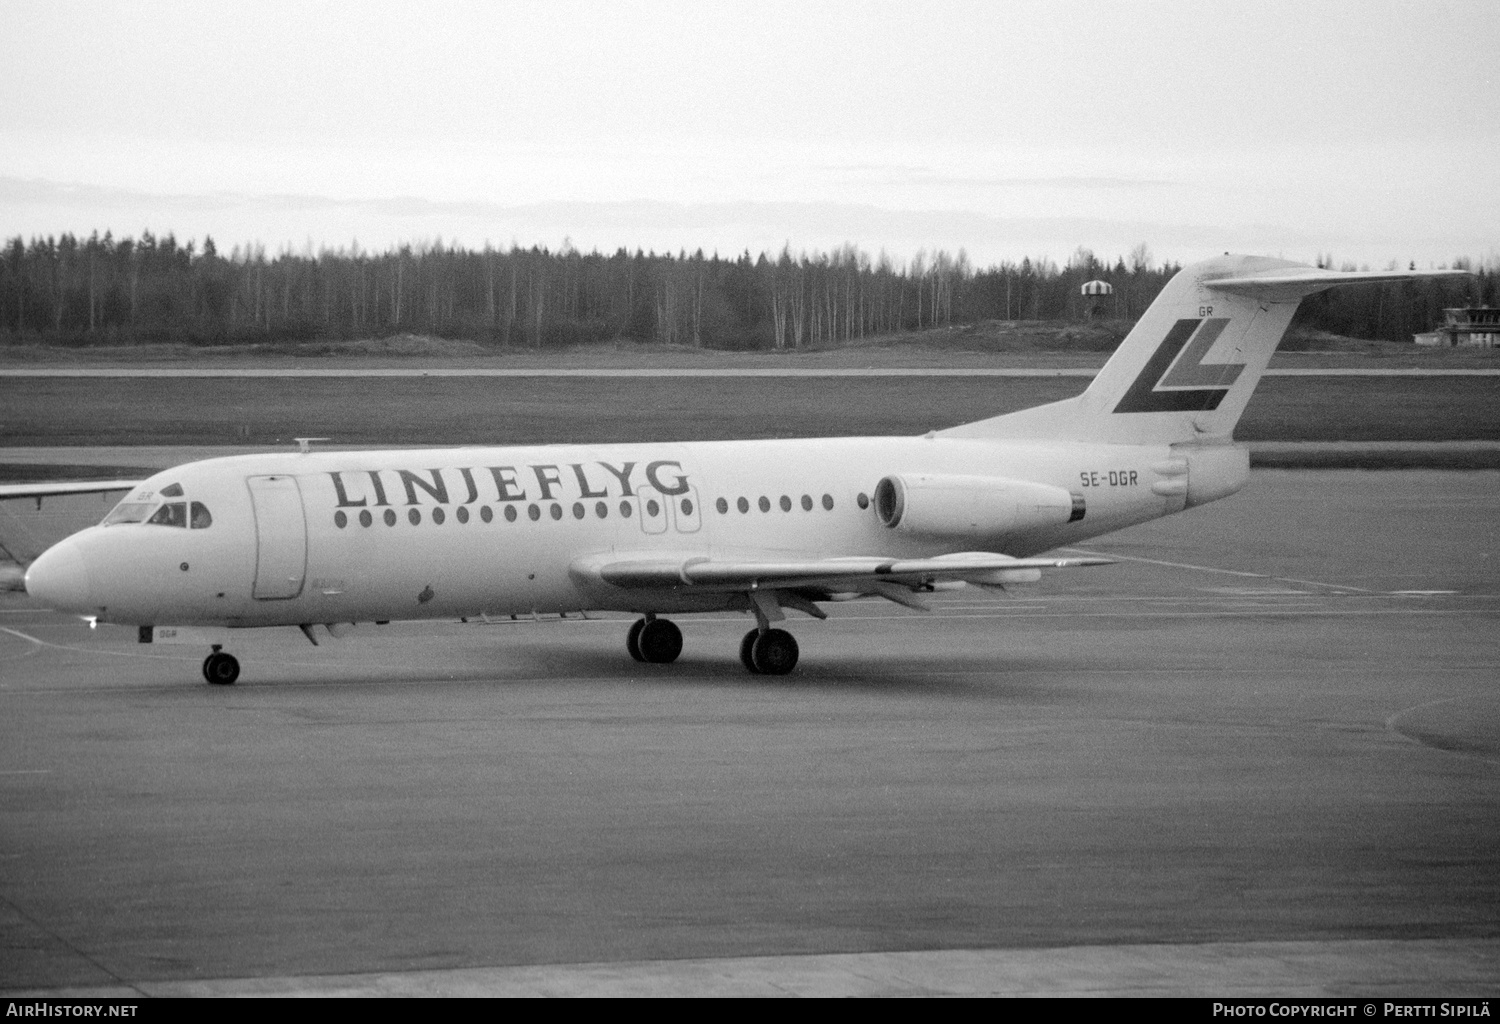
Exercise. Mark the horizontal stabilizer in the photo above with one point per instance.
(1186, 370)
(1284, 284)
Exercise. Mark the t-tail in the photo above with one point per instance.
(1188, 367)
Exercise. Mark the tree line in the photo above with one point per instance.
(107, 291)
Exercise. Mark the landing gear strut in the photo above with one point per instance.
(221, 669)
(770, 652)
(658, 641)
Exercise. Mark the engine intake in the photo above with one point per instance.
(949, 505)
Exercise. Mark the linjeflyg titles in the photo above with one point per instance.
(464, 485)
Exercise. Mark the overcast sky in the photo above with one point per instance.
(1369, 130)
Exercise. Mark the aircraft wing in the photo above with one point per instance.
(858, 573)
(49, 489)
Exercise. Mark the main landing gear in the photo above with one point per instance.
(764, 651)
(221, 669)
(769, 652)
(658, 641)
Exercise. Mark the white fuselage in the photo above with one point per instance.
(338, 537)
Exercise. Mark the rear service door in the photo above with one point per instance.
(280, 537)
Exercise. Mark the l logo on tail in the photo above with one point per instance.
(1174, 378)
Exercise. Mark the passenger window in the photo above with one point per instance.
(202, 520)
(174, 513)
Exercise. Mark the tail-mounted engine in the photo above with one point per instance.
(945, 505)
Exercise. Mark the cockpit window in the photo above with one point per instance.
(129, 512)
(202, 520)
(172, 491)
(173, 513)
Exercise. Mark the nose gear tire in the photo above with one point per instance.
(221, 669)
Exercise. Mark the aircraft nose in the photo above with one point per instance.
(60, 577)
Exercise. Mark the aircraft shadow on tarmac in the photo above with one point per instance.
(979, 678)
(968, 677)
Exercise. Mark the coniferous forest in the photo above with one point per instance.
(108, 291)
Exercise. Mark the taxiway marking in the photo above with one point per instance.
(1227, 572)
(1392, 725)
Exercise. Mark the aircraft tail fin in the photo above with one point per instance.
(1187, 369)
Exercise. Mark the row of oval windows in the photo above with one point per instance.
(601, 509)
(764, 503)
(486, 513)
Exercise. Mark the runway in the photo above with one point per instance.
(1258, 755)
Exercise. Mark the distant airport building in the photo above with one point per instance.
(1094, 295)
(1477, 326)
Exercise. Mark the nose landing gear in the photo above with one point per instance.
(221, 669)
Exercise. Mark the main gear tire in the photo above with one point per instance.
(660, 642)
(633, 639)
(746, 658)
(774, 652)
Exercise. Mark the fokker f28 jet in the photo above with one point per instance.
(326, 539)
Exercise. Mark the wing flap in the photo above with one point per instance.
(852, 573)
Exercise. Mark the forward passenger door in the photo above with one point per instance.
(280, 537)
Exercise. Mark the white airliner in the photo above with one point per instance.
(333, 538)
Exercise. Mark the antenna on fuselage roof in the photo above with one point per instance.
(304, 444)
